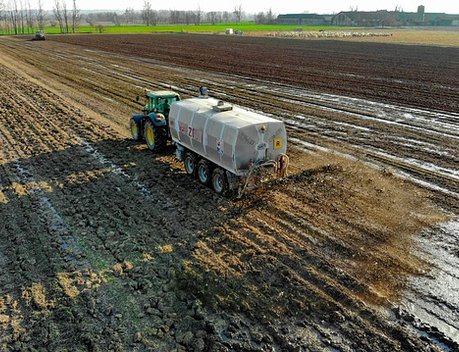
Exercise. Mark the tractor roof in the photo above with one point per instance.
(161, 93)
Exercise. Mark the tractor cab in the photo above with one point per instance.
(160, 102)
(153, 124)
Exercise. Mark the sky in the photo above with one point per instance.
(278, 7)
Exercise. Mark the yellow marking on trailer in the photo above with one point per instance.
(278, 143)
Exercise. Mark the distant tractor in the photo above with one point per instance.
(228, 148)
(152, 125)
(39, 36)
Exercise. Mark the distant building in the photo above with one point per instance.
(365, 19)
(421, 13)
(394, 18)
(304, 19)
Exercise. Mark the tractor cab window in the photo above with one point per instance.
(151, 104)
(164, 103)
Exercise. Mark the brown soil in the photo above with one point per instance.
(106, 246)
(415, 75)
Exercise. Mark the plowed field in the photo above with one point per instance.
(106, 246)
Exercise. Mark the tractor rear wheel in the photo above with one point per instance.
(190, 162)
(220, 181)
(135, 130)
(155, 137)
(204, 172)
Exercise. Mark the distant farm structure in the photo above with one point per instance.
(308, 19)
(372, 18)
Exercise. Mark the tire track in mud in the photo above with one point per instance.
(114, 249)
(35, 141)
(35, 257)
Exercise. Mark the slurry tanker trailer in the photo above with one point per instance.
(223, 146)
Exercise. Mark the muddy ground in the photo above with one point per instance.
(105, 246)
(420, 76)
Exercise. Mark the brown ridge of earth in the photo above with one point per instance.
(419, 76)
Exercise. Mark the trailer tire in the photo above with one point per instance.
(220, 181)
(204, 172)
(135, 130)
(190, 162)
(155, 137)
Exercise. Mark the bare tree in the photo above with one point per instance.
(116, 19)
(174, 17)
(75, 17)
(260, 18)
(265, 18)
(129, 15)
(29, 17)
(148, 15)
(40, 16)
(65, 14)
(226, 16)
(270, 17)
(197, 16)
(22, 17)
(13, 16)
(188, 17)
(238, 12)
(58, 14)
(3, 24)
(212, 17)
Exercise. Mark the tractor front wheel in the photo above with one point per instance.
(135, 130)
(155, 137)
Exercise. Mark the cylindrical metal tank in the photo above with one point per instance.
(233, 138)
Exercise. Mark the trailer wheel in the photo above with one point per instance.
(154, 136)
(190, 164)
(135, 130)
(220, 181)
(204, 172)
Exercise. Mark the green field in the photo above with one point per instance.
(244, 27)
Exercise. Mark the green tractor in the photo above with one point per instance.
(153, 124)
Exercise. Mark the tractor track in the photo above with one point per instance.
(37, 142)
(133, 255)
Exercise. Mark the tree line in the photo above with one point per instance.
(20, 17)
(68, 19)
(152, 17)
